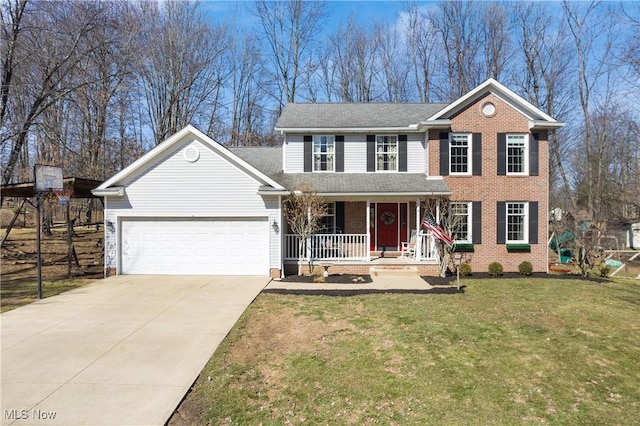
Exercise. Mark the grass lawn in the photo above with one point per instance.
(16, 293)
(507, 351)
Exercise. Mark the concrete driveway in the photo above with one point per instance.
(121, 351)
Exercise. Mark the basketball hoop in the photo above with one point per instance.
(63, 194)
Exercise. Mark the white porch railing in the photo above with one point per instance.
(327, 246)
(348, 247)
(427, 248)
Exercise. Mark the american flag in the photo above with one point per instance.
(438, 232)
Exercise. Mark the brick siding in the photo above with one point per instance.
(491, 188)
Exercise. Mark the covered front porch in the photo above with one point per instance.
(381, 231)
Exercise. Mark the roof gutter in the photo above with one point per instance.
(435, 124)
(113, 191)
(362, 194)
(411, 128)
(543, 124)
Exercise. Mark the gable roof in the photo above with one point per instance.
(354, 116)
(537, 117)
(312, 117)
(107, 188)
(269, 160)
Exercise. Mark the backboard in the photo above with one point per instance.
(47, 177)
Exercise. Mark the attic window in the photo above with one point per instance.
(191, 154)
(488, 109)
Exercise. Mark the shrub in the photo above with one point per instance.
(465, 269)
(495, 269)
(525, 268)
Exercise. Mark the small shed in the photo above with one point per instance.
(633, 236)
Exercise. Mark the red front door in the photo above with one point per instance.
(387, 225)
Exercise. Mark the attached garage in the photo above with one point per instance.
(190, 206)
(207, 246)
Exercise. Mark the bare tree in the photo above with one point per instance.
(544, 79)
(49, 39)
(304, 210)
(593, 42)
(184, 67)
(458, 26)
(496, 40)
(422, 44)
(247, 111)
(354, 60)
(393, 64)
(290, 28)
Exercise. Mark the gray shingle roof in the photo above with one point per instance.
(351, 115)
(269, 161)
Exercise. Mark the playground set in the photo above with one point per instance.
(565, 247)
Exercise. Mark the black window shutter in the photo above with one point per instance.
(476, 142)
(371, 153)
(476, 222)
(340, 216)
(308, 153)
(339, 153)
(533, 222)
(501, 222)
(402, 153)
(534, 152)
(444, 154)
(502, 154)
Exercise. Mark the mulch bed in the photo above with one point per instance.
(439, 281)
(451, 279)
(331, 279)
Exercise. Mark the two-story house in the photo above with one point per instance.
(192, 206)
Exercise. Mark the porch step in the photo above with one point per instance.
(393, 270)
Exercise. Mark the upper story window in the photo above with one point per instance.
(461, 231)
(387, 153)
(460, 154)
(517, 220)
(323, 153)
(517, 158)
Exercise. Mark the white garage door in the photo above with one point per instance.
(195, 247)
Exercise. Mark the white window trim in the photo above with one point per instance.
(525, 224)
(397, 155)
(469, 238)
(525, 171)
(331, 213)
(314, 153)
(469, 155)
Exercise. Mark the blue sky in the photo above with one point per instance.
(364, 11)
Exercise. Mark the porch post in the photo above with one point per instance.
(418, 251)
(368, 228)
(308, 242)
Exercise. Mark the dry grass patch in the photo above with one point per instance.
(505, 352)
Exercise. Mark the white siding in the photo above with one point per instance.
(175, 187)
(294, 154)
(355, 154)
(271, 204)
(415, 153)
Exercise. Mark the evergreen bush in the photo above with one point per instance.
(525, 268)
(495, 269)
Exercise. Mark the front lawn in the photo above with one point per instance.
(507, 351)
